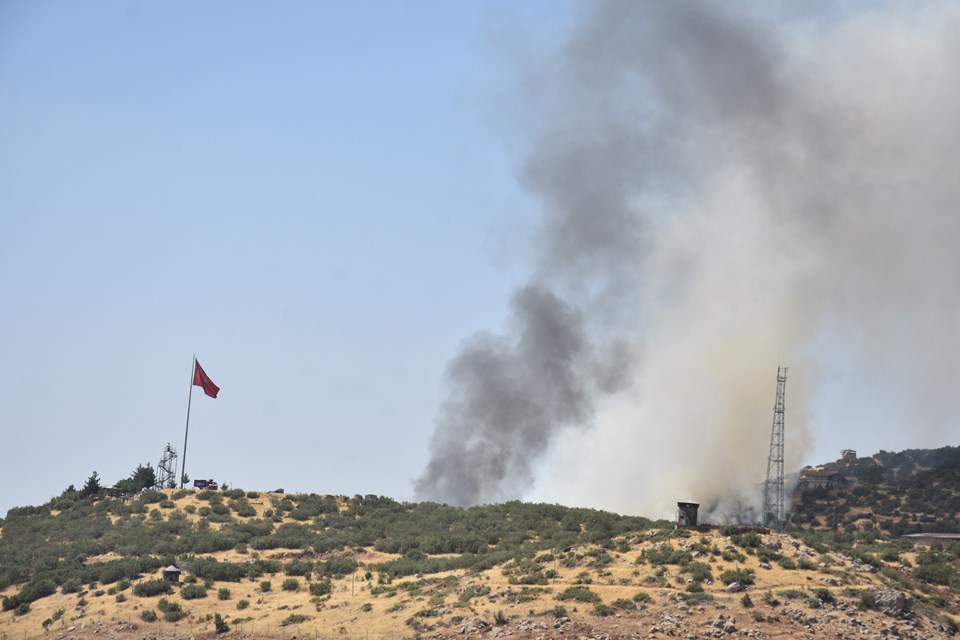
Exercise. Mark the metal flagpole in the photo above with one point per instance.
(183, 469)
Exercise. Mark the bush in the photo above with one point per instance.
(242, 604)
(22, 609)
(266, 586)
(321, 588)
(148, 615)
(746, 601)
(219, 624)
(642, 597)
(294, 618)
(601, 609)
(500, 618)
(366, 607)
(699, 571)
(174, 616)
(151, 588)
(578, 594)
(165, 605)
(121, 597)
(193, 591)
(743, 576)
(626, 605)
(223, 593)
(290, 584)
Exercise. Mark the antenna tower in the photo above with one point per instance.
(167, 469)
(773, 515)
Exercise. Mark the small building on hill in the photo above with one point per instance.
(848, 454)
(172, 574)
(821, 480)
(687, 515)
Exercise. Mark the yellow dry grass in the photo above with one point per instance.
(352, 607)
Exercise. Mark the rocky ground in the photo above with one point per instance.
(894, 618)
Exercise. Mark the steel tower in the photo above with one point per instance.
(167, 469)
(773, 507)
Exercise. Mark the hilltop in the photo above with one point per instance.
(258, 564)
(912, 491)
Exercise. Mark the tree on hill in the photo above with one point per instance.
(92, 487)
(143, 477)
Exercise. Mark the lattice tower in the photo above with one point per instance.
(773, 500)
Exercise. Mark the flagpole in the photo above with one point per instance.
(183, 468)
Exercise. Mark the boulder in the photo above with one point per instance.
(893, 603)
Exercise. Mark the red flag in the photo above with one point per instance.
(201, 379)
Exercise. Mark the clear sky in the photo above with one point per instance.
(318, 199)
(312, 197)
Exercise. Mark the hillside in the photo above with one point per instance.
(911, 491)
(269, 564)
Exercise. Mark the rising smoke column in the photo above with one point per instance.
(724, 190)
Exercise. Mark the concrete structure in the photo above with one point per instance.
(821, 480)
(848, 454)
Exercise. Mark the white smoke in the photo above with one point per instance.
(727, 190)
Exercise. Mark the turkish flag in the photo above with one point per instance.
(201, 379)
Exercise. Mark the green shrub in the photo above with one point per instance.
(166, 606)
(151, 588)
(665, 554)
(242, 604)
(223, 593)
(290, 584)
(219, 624)
(366, 607)
(601, 609)
(626, 605)
(298, 568)
(578, 594)
(699, 571)
(747, 540)
(500, 618)
(121, 598)
(321, 588)
(148, 615)
(746, 601)
(642, 597)
(266, 586)
(294, 618)
(174, 616)
(22, 609)
(193, 591)
(743, 576)
(696, 598)
(823, 595)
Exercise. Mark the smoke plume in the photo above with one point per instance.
(725, 189)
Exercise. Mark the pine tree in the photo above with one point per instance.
(92, 487)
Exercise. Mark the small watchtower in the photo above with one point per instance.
(687, 513)
(172, 574)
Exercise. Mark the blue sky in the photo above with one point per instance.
(314, 198)
(319, 199)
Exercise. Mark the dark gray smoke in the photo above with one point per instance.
(725, 189)
(508, 394)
